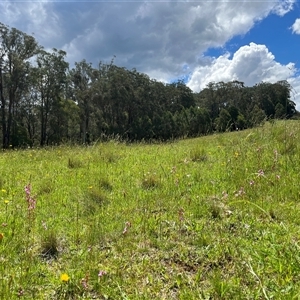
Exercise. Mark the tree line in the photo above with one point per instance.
(44, 102)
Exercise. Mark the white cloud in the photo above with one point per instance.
(250, 64)
(159, 38)
(296, 27)
(283, 7)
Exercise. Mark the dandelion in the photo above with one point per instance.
(236, 154)
(64, 277)
(3, 191)
(6, 202)
(1, 236)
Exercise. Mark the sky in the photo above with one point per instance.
(196, 41)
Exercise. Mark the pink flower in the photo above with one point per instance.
(30, 200)
(101, 273)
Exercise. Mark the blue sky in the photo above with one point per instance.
(200, 41)
(274, 32)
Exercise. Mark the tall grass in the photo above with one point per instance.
(208, 218)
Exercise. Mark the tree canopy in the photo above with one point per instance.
(45, 102)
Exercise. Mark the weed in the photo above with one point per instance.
(74, 163)
(198, 154)
(49, 245)
(214, 218)
(150, 181)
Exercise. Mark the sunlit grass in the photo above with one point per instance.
(214, 217)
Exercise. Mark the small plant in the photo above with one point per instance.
(105, 184)
(150, 181)
(49, 246)
(31, 204)
(74, 164)
(198, 154)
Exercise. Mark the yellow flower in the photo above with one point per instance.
(6, 201)
(90, 187)
(1, 236)
(3, 191)
(64, 277)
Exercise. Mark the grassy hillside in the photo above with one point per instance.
(210, 218)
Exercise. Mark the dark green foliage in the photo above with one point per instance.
(49, 245)
(42, 102)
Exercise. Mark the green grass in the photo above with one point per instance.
(215, 217)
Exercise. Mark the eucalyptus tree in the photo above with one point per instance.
(16, 50)
(82, 78)
(50, 80)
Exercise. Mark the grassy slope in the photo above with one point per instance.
(208, 218)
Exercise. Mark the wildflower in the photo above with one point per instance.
(241, 192)
(3, 191)
(20, 292)
(30, 200)
(260, 173)
(90, 187)
(84, 282)
(1, 236)
(236, 154)
(6, 202)
(251, 182)
(64, 277)
(101, 273)
(277, 177)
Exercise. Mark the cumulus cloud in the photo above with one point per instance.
(250, 64)
(165, 39)
(296, 27)
(156, 37)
